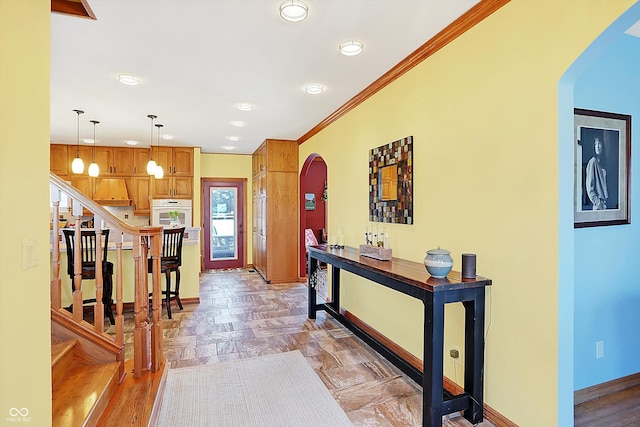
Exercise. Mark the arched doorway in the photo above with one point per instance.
(313, 202)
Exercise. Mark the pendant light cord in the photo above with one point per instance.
(78, 112)
(93, 154)
(151, 116)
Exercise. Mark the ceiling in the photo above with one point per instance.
(196, 59)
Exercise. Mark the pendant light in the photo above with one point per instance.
(94, 169)
(77, 165)
(151, 166)
(159, 173)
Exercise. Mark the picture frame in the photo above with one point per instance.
(602, 168)
(391, 182)
(309, 202)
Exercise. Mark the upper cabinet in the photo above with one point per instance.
(82, 151)
(176, 161)
(114, 161)
(177, 183)
(141, 157)
(58, 162)
(129, 163)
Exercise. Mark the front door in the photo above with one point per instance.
(223, 223)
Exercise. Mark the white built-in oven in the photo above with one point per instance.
(162, 212)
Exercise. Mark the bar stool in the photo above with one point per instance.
(170, 260)
(88, 256)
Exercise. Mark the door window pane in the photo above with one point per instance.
(223, 223)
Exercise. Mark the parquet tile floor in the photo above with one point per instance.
(240, 315)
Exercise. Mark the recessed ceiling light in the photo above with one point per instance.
(131, 142)
(228, 147)
(233, 138)
(294, 10)
(237, 123)
(245, 106)
(351, 47)
(88, 141)
(167, 136)
(128, 79)
(314, 89)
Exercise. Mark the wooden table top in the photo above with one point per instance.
(409, 272)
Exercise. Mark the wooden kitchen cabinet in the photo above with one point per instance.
(114, 161)
(58, 160)
(176, 161)
(141, 157)
(140, 196)
(131, 164)
(84, 152)
(275, 210)
(83, 182)
(172, 187)
(177, 183)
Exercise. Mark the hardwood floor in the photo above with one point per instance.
(613, 408)
(241, 316)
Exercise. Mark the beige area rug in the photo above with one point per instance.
(273, 390)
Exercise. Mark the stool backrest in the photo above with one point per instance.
(88, 247)
(172, 245)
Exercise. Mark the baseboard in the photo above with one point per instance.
(601, 390)
(490, 414)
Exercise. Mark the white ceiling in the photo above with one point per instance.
(197, 58)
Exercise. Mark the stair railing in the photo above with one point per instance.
(146, 241)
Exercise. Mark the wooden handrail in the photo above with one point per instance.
(147, 242)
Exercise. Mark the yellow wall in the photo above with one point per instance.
(233, 166)
(483, 114)
(25, 349)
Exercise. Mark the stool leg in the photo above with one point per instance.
(107, 300)
(168, 292)
(177, 292)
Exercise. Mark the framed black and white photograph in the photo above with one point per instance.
(602, 160)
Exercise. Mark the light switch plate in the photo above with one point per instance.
(29, 252)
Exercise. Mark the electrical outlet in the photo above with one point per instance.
(454, 353)
(599, 349)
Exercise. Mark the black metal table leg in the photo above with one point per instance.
(335, 288)
(432, 387)
(474, 354)
(312, 266)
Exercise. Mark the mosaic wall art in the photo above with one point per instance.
(383, 209)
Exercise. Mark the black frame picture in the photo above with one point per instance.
(602, 168)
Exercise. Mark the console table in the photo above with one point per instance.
(411, 278)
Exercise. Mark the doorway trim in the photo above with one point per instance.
(302, 212)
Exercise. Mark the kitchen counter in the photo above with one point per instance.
(190, 269)
(191, 237)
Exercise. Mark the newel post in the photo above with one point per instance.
(140, 307)
(157, 351)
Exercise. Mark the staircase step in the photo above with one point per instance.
(82, 396)
(61, 360)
